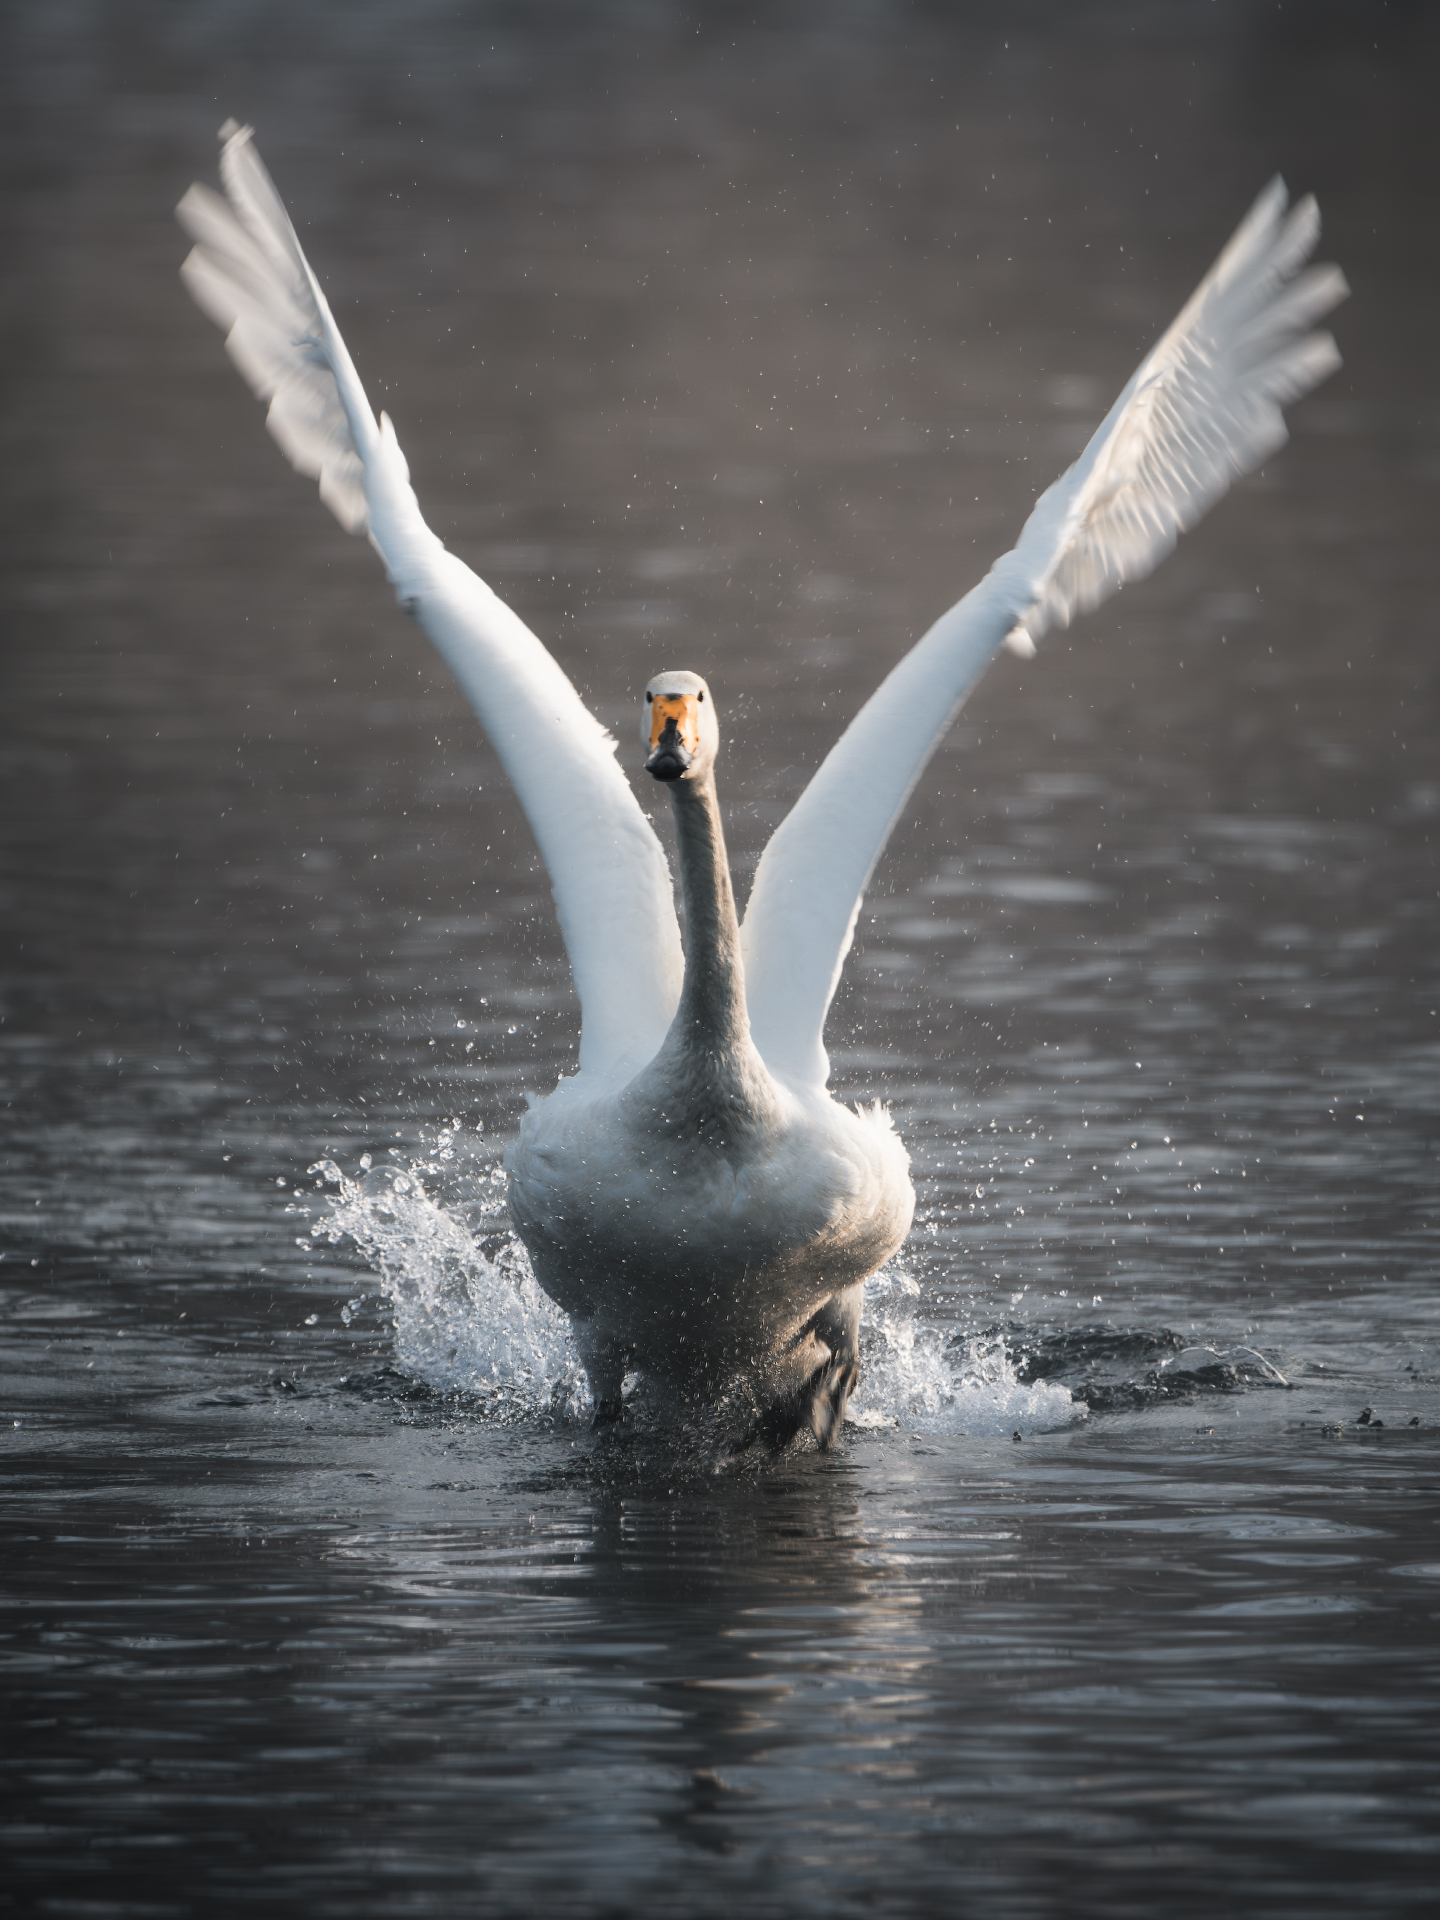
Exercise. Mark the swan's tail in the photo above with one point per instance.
(247, 271)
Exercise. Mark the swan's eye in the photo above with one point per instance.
(699, 696)
(648, 698)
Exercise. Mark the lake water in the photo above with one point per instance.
(742, 347)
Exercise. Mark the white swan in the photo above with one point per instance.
(693, 1197)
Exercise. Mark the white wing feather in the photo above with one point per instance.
(1203, 408)
(248, 273)
(1200, 411)
(608, 871)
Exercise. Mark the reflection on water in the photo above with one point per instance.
(514, 1666)
(745, 348)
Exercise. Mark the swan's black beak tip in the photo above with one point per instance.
(668, 761)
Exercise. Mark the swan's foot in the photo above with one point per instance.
(819, 1401)
(829, 1389)
(830, 1386)
(605, 1363)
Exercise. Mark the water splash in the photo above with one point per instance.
(919, 1377)
(468, 1313)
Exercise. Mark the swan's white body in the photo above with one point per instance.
(711, 1241)
(693, 1197)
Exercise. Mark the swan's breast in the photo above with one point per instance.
(629, 1222)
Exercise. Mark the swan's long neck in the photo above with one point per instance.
(711, 1023)
(707, 1083)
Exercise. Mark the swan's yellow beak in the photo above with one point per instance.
(674, 734)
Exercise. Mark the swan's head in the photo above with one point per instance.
(678, 727)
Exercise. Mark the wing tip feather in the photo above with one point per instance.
(248, 274)
(1204, 410)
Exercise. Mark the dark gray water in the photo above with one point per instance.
(743, 345)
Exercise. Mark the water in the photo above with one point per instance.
(742, 347)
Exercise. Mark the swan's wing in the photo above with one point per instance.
(609, 873)
(1202, 409)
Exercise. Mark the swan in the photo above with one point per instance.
(693, 1197)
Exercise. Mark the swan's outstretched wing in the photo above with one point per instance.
(1201, 410)
(609, 874)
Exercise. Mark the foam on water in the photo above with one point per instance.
(468, 1313)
